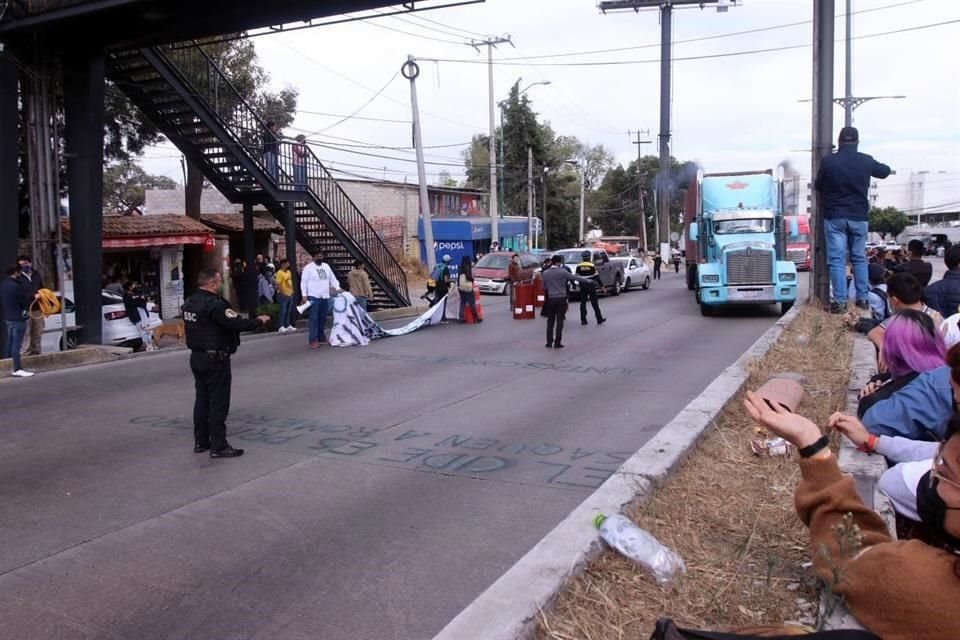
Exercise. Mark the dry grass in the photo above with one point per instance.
(727, 513)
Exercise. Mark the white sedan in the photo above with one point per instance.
(117, 329)
(636, 273)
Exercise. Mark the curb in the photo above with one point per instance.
(54, 361)
(508, 608)
(865, 469)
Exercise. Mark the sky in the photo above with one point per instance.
(729, 112)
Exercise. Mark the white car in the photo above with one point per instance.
(117, 330)
(636, 272)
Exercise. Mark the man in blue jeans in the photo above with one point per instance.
(844, 184)
(317, 284)
(15, 298)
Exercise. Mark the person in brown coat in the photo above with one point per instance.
(358, 283)
(514, 274)
(899, 590)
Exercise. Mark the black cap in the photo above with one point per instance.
(849, 135)
(876, 272)
(585, 255)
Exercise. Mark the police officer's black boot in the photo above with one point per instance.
(226, 452)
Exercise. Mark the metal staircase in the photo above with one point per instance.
(182, 90)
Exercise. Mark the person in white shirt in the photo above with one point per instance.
(317, 284)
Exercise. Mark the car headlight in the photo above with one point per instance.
(788, 277)
(711, 277)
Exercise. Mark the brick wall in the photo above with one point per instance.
(160, 201)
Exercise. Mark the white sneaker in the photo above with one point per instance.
(20, 373)
(282, 330)
(291, 328)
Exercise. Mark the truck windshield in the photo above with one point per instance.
(750, 225)
(800, 237)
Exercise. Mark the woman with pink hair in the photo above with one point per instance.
(911, 345)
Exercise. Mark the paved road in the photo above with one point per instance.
(383, 487)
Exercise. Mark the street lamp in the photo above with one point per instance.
(502, 104)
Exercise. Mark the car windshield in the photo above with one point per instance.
(800, 237)
(743, 225)
(493, 262)
(571, 257)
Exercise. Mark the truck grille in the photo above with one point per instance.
(755, 267)
(797, 256)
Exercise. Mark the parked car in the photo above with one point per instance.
(611, 273)
(492, 271)
(636, 273)
(117, 329)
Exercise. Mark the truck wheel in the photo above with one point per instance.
(785, 307)
(706, 310)
(646, 283)
(617, 286)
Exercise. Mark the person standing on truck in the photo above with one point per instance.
(920, 268)
(587, 270)
(844, 182)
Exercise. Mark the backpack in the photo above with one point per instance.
(880, 293)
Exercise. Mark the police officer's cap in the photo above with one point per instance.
(585, 255)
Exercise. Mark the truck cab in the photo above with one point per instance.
(736, 247)
(798, 244)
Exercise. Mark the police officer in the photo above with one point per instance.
(586, 269)
(213, 334)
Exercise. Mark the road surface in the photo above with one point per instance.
(383, 487)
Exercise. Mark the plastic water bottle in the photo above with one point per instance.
(641, 547)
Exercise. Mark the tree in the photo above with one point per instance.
(125, 184)
(888, 220)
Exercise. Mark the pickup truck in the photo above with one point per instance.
(611, 272)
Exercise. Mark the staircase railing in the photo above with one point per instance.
(290, 165)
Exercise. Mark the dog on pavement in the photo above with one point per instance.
(174, 329)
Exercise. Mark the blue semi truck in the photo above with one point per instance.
(735, 244)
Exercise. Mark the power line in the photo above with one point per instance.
(421, 26)
(340, 115)
(408, 33)
(700, 57)
(361, 107)
(700, 38)
(425, 19)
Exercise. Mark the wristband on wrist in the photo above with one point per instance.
(870, 446)
(816, 447)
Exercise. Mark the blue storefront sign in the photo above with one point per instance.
(458, 237)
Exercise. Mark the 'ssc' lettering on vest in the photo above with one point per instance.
(189, 316)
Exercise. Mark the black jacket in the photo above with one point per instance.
(15, 298)
(944, 295)
(211, 324)
(844, 183)
(920, 269)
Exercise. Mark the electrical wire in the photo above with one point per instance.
(340, 115)
(425, 19)
(701, 38)
(406, 33)
(419, 26)
(699, 57)
(361, 107)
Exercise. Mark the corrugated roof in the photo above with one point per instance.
(156, 225)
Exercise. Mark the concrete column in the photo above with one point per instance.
(83, 88)
(9, 201)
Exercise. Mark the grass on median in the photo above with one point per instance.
(728, 513)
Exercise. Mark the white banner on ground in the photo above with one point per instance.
(352, 326)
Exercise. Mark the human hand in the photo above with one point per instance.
(869, 388)
(792, 427)
(850, 427)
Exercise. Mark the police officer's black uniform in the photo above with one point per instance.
(587, 269)
(213, 335)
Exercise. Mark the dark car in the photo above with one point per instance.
(492, 271)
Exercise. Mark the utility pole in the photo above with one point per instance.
(529, 198)
(643, 211)
(410, 71)
(848, 80)
(490, 43)
(666, 24)
(583, 190)
(823, 25)
(546, 238)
